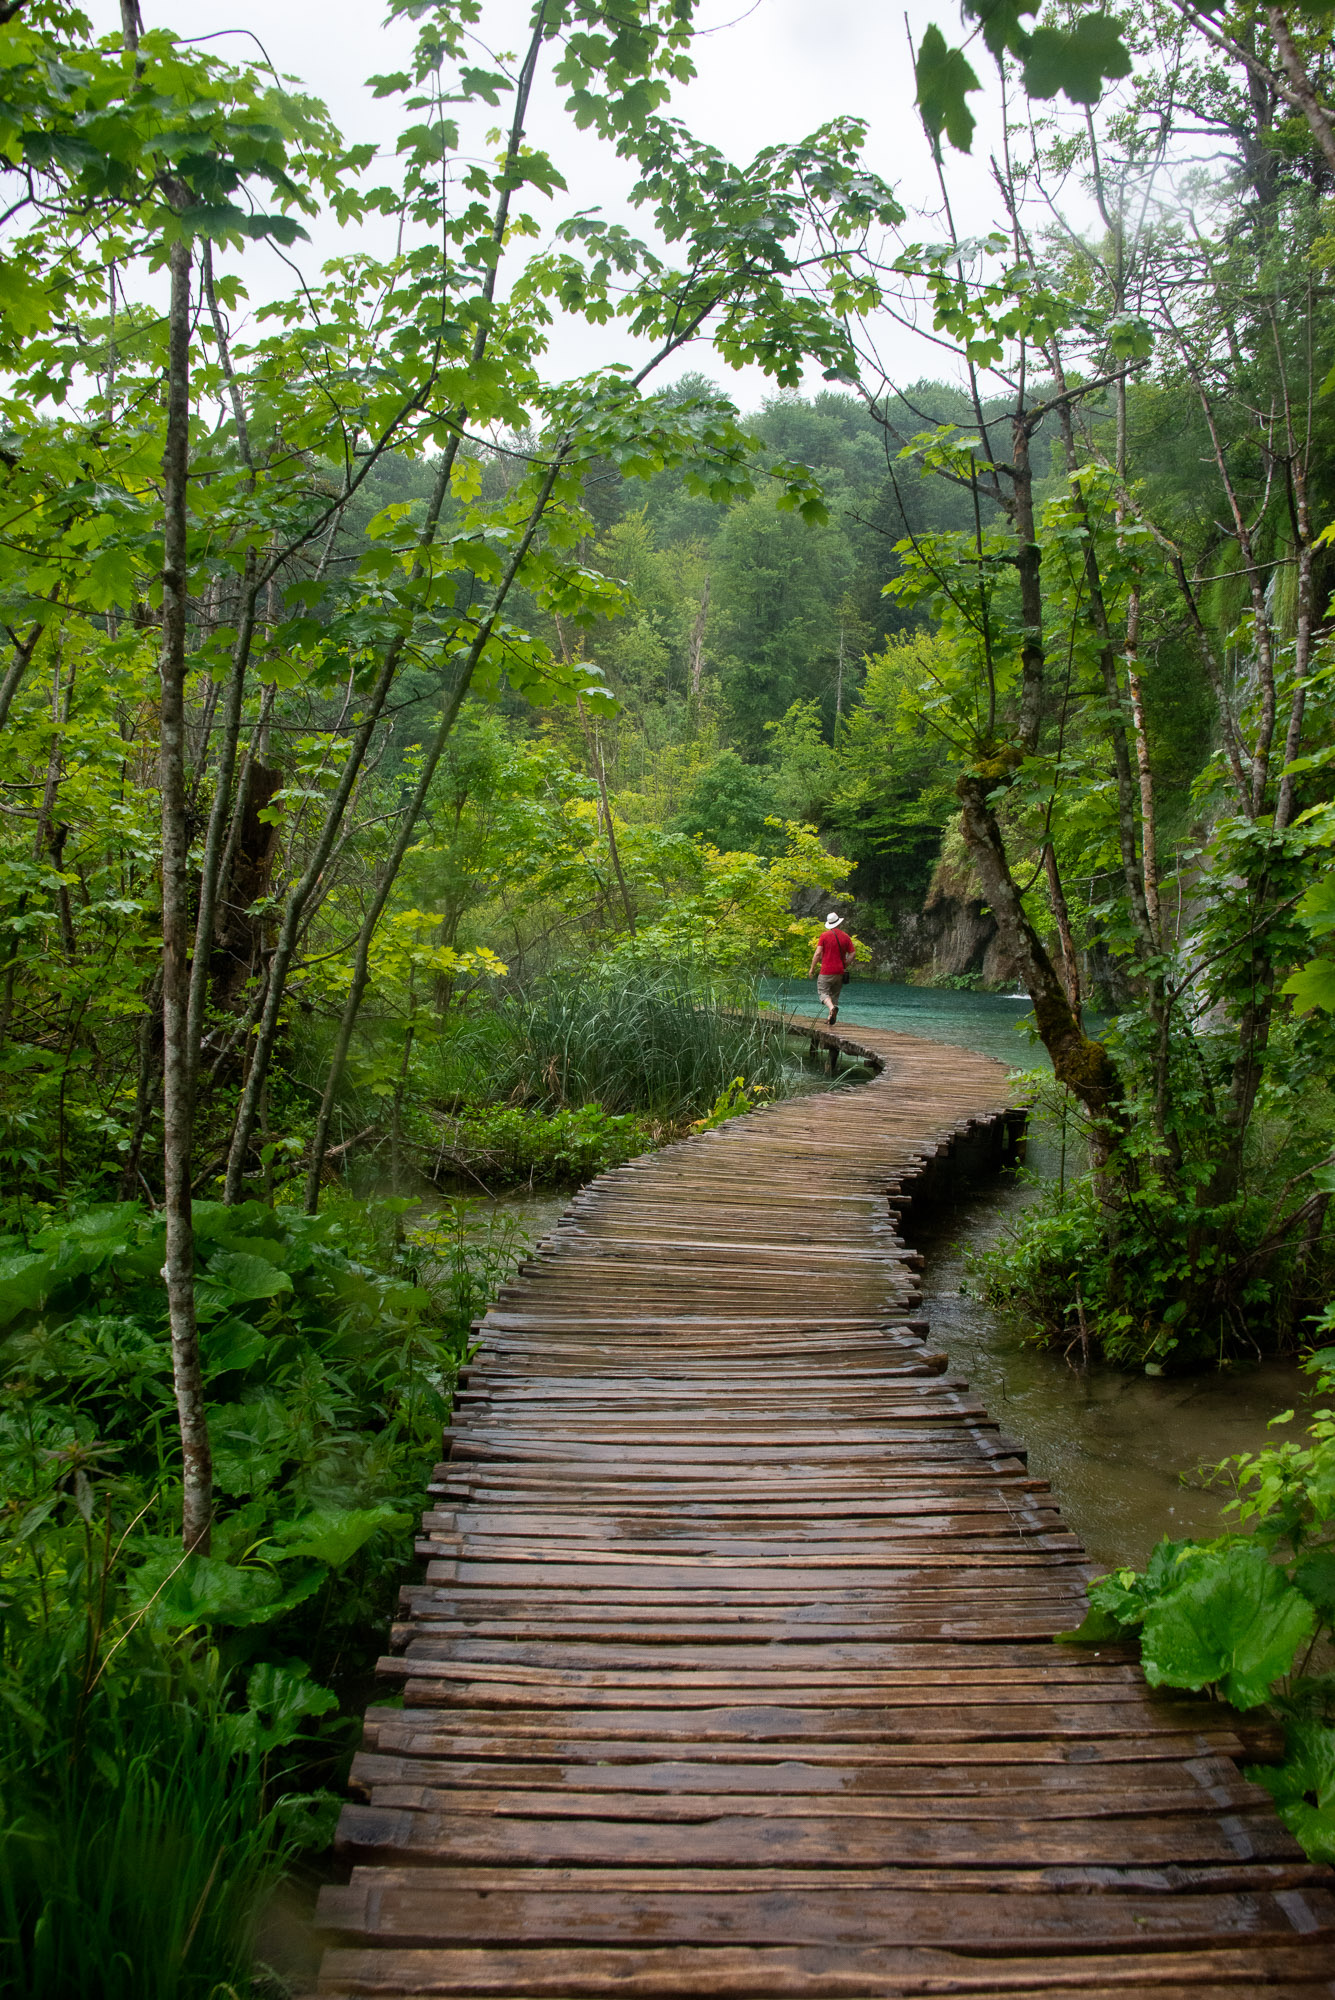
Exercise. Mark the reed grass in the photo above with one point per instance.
(633, 1040)
(136, 1851)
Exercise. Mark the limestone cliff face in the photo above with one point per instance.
(952, 936)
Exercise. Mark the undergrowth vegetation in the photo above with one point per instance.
(549, 1081)
(663, 1044)
(169, 1723)
(1250, 1616)
(1166, 1270)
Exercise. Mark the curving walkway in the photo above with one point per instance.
(731, 1672)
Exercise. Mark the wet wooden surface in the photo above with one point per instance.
(730, 1671)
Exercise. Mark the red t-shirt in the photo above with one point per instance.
(834, 948)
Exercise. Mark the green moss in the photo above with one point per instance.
(995, 764)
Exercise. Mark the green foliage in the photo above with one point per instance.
(737, 1098)
(730, 916)
(733, 806)
(142, 1827)
(1236, 1624)
(1156, 1264)
(1243, 1615)
(1076, 59)
(167, 1723)
(893, 792)
(507, 1145)
(945, 78)
(328, 1360)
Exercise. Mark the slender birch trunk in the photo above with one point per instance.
(600, 778)
(697, 667)
(177, 1066)
(1131, 649)
(1028, 564)
(216, 841)
(1132, 872)
(1149, 860)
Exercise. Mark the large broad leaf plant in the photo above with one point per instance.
(1251, 1615)
(329, 1367)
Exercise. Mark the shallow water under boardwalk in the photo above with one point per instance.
(732, 1671)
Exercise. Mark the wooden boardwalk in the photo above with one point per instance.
(731, 1671)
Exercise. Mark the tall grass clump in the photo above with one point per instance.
(634, 1039)
(141, 1829)
(147, 1790)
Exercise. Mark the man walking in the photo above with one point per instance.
(834, 953)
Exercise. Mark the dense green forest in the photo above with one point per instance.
(410, 762)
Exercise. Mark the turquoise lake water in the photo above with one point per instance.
(995, 1024)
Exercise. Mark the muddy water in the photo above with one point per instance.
(1123, 1452)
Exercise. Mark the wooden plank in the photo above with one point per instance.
(659, 1972)
(423, 1906)
(549, 1792)
(409, 1825)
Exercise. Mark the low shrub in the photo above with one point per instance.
(733, 1101)
(1159, 1292)
(503, 1145)
(1169, 1262)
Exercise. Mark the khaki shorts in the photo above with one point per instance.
(829, 985)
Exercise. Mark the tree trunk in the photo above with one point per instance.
(17, 668)
(219, 816)
(1028, 564)
(232, 954)
(1301, 92)
(1112, 689)
(698, 645)
(177, 1066)
(1149, 860)
(147, 1070)
(216, 839)
(600, 778)
(1062, 918)
(1082, 1064)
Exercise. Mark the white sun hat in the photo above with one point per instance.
(833, 921)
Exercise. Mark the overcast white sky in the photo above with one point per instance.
(768, 71)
